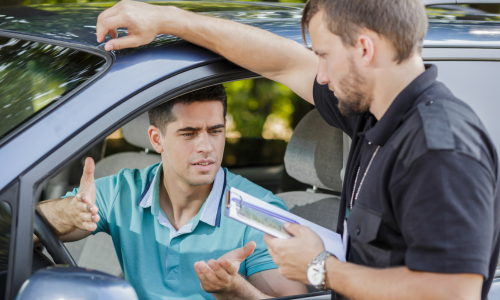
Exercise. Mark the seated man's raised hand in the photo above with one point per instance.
(74, 218)
(82, 211)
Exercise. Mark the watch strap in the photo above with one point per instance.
(320, 260)
(321, 257)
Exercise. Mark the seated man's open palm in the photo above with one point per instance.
(221, 274)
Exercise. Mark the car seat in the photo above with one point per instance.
(97, 251)
(315, 156)
(136, 133)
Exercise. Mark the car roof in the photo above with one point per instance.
(75, 22)
(135, 70)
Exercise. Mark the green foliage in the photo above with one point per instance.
(252, 102)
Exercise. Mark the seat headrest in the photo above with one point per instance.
(314, 154)
(136, 132)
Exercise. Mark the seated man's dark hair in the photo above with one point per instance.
(162, 114)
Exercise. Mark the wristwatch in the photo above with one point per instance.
(316, 271)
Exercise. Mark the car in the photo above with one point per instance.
(52, 116)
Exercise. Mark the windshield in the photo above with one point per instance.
(33, 75)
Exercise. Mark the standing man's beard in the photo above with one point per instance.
(353, 100)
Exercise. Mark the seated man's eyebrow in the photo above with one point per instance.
(189, 129)
(216, 127)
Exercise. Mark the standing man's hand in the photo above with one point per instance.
(274, 57)
(143, 22)
(293, 255)
(220, 277)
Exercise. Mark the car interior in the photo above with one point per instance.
(307, 175)
(306, 172)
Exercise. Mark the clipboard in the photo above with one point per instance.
(271, 219)
(256, 217)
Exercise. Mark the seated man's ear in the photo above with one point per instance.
(155, 138)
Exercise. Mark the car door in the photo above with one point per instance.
(34, 179)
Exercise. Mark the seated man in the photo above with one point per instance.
(167, 220)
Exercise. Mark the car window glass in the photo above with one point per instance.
(261, 116)
(5, 224)
(33, 75)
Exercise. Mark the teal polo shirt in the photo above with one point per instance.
(155, 258)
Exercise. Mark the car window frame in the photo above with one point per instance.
(109, 58)
(10, 194)
(33, 180)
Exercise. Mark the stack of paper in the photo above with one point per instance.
(270, 219)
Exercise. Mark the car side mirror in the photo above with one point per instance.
(61, 282)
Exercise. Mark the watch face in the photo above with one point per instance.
(315, 275)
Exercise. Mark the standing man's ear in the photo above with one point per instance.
(155, 138)
(367, 48)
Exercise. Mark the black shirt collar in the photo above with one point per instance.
(393, 117)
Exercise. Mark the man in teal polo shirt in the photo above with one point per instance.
(167, 222)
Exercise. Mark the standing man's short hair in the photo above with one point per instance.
(162, 114)
(402, 22)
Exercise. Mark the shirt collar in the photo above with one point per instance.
(209, 211)
(393, 117)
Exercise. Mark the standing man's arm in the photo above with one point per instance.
(257, 50)
(359, 282)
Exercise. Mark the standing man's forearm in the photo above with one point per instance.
(257, 50)
(359, 282)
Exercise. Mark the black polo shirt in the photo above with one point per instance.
(429, 200)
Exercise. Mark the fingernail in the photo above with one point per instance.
(108, 47)
(92, 218)
(91, 209)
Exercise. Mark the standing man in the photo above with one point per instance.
(420, 206)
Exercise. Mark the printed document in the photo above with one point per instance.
(270, 219)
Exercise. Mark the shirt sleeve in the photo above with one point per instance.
(106, 190)
(260, 260)
(328, 107)
(445, 205)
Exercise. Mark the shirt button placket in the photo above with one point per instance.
(173, 259)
